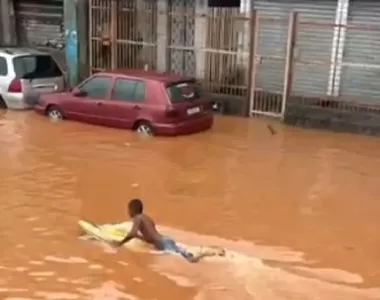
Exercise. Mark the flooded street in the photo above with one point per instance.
(297, 211)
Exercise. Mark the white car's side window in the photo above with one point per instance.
(3, 67)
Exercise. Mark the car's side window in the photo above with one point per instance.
(128, 90)
(96, 87)
(3, 67)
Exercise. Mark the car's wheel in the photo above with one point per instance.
(144, 128)
(54, 113)
(2, 103)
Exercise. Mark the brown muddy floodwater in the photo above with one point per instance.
(298, 211)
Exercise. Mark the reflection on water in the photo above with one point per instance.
(297, 210)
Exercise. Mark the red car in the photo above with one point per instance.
(147, 102)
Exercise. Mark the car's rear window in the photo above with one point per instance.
(183, 91)
(36, 66)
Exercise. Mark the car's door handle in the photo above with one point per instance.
(99, 103)
(41, 86)
(136, 107)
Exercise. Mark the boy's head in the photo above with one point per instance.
(135, 207)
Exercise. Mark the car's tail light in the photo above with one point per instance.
(15, 86)
(171, 112)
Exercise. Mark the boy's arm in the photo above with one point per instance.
(133, 233)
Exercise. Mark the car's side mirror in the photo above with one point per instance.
(79, 93)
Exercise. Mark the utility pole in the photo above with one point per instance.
(7, 23)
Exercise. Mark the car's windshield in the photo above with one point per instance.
(183, 91)
(36, 66)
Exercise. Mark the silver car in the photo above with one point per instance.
(25, 74)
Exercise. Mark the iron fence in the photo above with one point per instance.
(180, 31)
(122, 34)
(226, 52)
(248, 55)
(219, 56)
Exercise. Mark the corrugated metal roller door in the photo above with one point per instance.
(361, 77)
(40, 23)
(313, 44)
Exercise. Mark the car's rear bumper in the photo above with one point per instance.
(191, 126)
(16, 101)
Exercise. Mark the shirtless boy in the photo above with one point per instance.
(144, 228)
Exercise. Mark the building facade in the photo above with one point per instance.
(329, 48)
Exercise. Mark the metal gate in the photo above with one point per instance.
(181, 37)
(123, 34)
(312, 58)
(40, 24)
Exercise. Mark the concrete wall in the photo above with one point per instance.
(328, 115)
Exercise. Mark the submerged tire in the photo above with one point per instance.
(144, 128)
(3, 105)
(54, 113)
